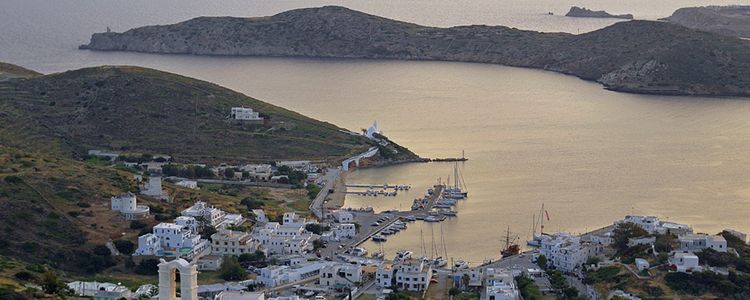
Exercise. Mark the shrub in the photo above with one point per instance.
(13, 179)
(125, 247)
(231, 270)
(101, 250)
(25, 276)
(147, 267)
(137, 224)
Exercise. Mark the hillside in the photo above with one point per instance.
(8, 71)
(148, 111)
(726, 20)
(636, 56)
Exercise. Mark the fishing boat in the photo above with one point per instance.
(511, 247)
(359, 251)
(451, 213)
(379, 238)
(403, 255)
(460, 265)
(410, 218)
(439, 262)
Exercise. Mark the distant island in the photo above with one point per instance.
(637, 56)
(582, 12)
(728, 20)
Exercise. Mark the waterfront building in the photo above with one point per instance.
(384, 275)
(127, 205)
(228, 242)
(698, 242)
(654, 225)
(340, 275)
(342, 216)
(100, 290)
(413, 275)
(210, 262)
(346, 230)
(500, 285)
(173, 240)
(565, 251)
(244, 114)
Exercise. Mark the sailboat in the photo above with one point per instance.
(457, 191)
(439, 261)
(511, 247)
(536, 240)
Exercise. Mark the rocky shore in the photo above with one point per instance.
(636, 56)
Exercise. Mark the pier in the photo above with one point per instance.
(381, 186)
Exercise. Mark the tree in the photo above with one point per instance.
(137, 224)
(147, 267)
(231, 270)
(314, 228)
(51, 284)
(454, 291)
(542, 261)
(624, 232)
(101, 250)
(229, 173)
(125, 247)
(170, 170)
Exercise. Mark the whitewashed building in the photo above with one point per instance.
(274, 275)
(100, 290)
(228, 242)
(413, 275)
(698, 242)
(340, 275)
(178, 239)
(342, 216)
(641, 264)
(287, 238)
(190, 184)
(345, 231)
(654, 225)
(127, 205)
(212, 216)
(685, 261)
(499, 284)
(210, 262)
(565, 251)
(260, 216)
(258, 172)
(154, 189)
(244, 114)
(384, 275)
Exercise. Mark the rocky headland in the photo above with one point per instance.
(727, 20)
(582, 12)
(636, 56)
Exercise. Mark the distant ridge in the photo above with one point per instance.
(636, 56)
(731, 20)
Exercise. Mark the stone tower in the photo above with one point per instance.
(168, 276)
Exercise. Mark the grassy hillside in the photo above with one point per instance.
(8, 71)
(144, 110)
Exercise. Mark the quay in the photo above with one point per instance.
(380, 186)
(447, 159)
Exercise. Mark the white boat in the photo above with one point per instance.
(451, 213)
(460, 265)
(359, 251)
(403, 255)
(379, 238)
(432, 219)
(410, 218)
(378, 255)
(439, 262)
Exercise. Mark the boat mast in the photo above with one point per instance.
(421, 236)
(442, 240)
(541, 220)
(434, 249)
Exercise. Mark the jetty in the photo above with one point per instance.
(397, 187)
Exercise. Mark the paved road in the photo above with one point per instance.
(328, 179)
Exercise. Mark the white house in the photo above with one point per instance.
(179, 239)
(500, 285)
(190, 184)
(565, 251)
(100, 290)
(340, 274)
(258, 172)
(413, 275)
(653, 225)
(127, 205)
(274, 275)
(260, 216)
(641, 241)
(685, 262)
(384, 275)
(641, 264)
(244, 114)
(210, 262)
(287, 238)
(698, 242)
(346, 230)
(372, 130)
(228, 242)
(212, 216)
(343, 216)
(154, 189)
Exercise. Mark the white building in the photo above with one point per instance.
(244, 114)
(641, 264)
(346, 230)
(210, 262)
(212, 216)
(565, 251)
(190, 184)
(274, 275)
(154, 189)
(413, 275)
(340, 275)
(343, 216)
(128, 206)
(179, 239)
(260, 216)
(653, 225)
(685, 262)
(372, 130)
(100, 290)
(384, 275)
(287, 238)
(261, 172)
(698, 242)
(500, 285)
(241, 295)
(228, 242)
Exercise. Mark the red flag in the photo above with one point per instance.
(546, 213)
